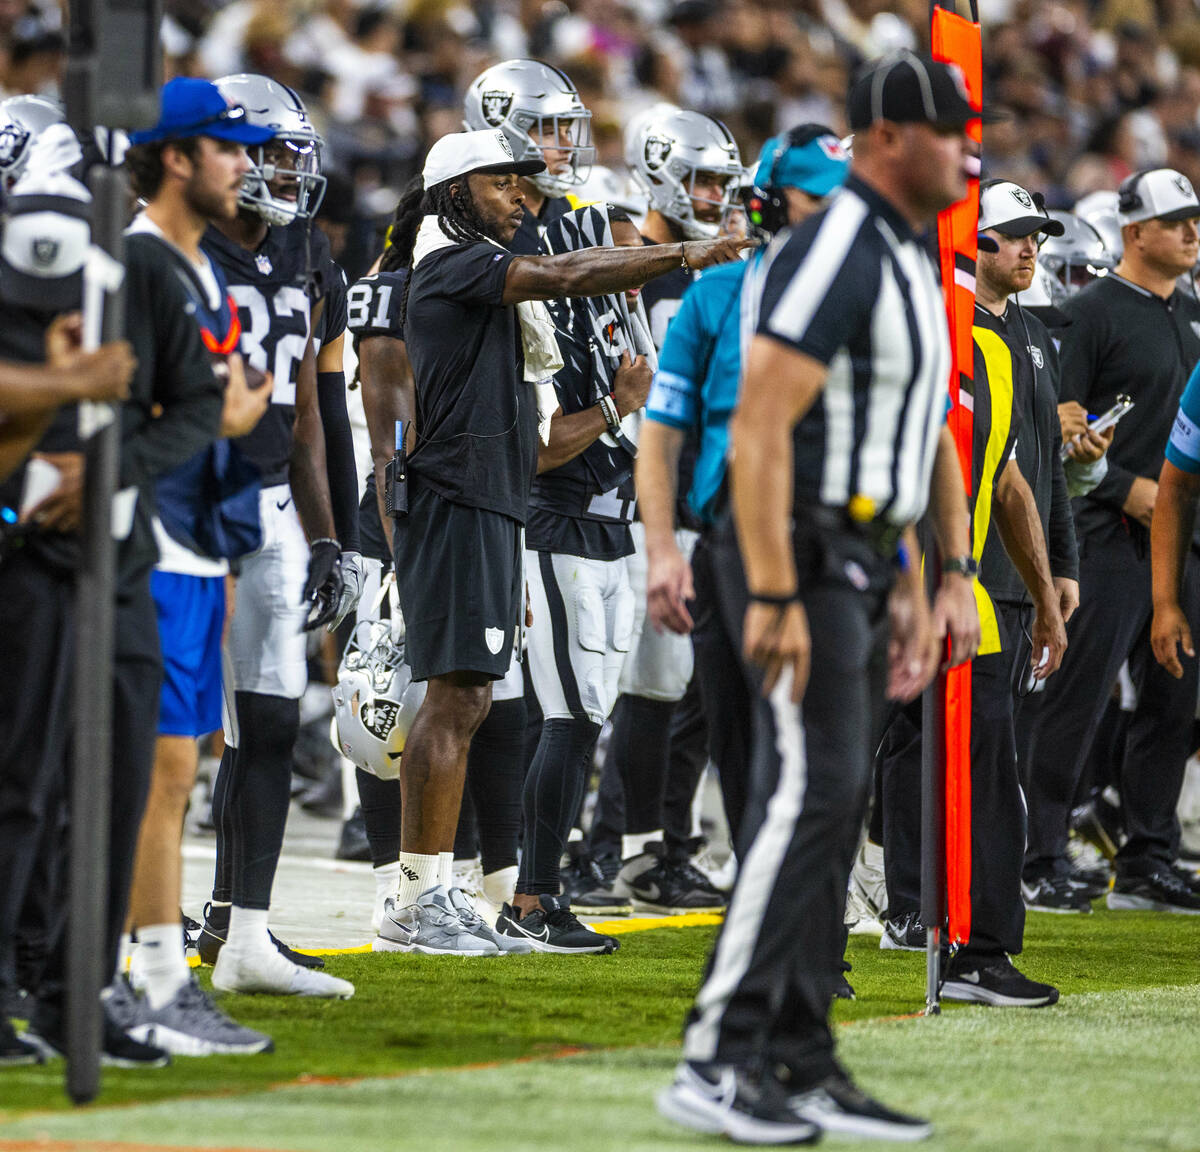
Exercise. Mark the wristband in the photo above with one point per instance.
(775, 601)
(608, 406)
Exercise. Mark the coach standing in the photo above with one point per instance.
(1131, 332)
(841, 414)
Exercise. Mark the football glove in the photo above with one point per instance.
(323, 588)
(353, 571)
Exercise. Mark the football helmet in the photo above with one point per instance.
(1044, 292)
(22, 119)
(1099, 209)
(534, 104)
(1078, 256)
(375, 700)
(285, 183)
(666, 148)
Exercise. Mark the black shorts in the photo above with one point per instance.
(460, 575)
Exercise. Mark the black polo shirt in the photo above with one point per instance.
(476, 415)
(1123, 338)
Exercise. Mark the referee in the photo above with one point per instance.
(840, 419)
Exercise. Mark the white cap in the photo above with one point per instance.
(1009, 209)
(487, 150)
(1159, 194)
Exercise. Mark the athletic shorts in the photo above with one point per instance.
(579, 639)
(459, 572)
(660, 663)
(191, 614)
(267, 646)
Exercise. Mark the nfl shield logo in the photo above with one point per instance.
(263, 264)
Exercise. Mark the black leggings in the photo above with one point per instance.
(251, 798)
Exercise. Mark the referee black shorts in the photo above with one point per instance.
(460, 575)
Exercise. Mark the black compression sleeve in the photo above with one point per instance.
(339, 457)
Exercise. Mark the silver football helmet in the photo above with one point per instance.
(375, 700)
(1099, 209)
(1044, 292)
(538, 109)
(285, 183)
(1078, 256)
(22, 119)
(667, 149)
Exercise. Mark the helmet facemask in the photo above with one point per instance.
(673, 193)
(285, 181)
(562, 138)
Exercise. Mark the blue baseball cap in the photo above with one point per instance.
(192, 107)
(817, 166)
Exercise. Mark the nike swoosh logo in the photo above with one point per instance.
(969, 977)
(284, 504)
(543, 935)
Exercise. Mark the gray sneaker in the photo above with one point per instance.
(125, 1008)
(190, 1024)
(478, 926)
(431, 926)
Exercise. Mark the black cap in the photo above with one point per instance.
(908, 89)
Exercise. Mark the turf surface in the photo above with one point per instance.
(1115, 1068)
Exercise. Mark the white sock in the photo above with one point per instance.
(417, 874)
(499, 886)
(124, 946)
(160, 963)
(446, 869)
(248, 930)
(634, 843)
(349, 789)
(387, 880)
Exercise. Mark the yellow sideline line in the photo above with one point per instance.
(608, 927)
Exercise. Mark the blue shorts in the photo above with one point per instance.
(191, 615)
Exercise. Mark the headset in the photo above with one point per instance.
(766, 204)
(1129, 199)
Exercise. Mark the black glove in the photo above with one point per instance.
(323, 588)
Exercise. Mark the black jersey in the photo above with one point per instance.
(373, 305)
(528, 239)
(271, 287)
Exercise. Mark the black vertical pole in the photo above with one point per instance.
(108, 81)
(933, 815)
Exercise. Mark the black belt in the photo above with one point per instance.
(883, 537)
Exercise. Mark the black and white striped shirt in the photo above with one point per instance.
(854, 289)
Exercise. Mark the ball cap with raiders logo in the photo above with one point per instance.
(487, 150)
(46, 236)
(909, 89)
(1159, 194)
(1007, 208)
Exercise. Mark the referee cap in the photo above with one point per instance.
(1010, 210)
(47, 233)
(906, 88)
(1156, 194)
(486, 150)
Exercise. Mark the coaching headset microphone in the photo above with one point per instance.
(766, 205)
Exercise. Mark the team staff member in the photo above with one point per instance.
(852, 320)
(478, 413)
(1131, 332)
(539, 110)
(174, 410)
(696, 386)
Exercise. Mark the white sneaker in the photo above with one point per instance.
(268, 971)
(474, 923)
(433, 927)
(866, 896)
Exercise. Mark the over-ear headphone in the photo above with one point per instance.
(1129, 199)
(766, 204)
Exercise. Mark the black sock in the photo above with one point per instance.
(551, 799)
(380, 803)
(495, 776)
(223, 871)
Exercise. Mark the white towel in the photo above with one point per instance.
(542, 357)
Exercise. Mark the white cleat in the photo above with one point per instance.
(270, 973)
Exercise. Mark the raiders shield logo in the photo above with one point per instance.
(1185, 186)
(502, 140)
(495, 106)
(1023, 198)
(656, 152)
(1036, 354)
(12, 139)
(379, 719)
(45, 251)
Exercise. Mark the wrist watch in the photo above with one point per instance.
(966, 566)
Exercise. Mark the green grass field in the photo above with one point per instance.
(553, 1052)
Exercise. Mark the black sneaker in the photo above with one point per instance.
(996, 982)
(596, 890)
(903, 933)
(843, 989)
(553, 927)
(724, 1100)
(191, 931)
(1161, 891)
(672, 887)
(1054, 894)
(14, 1050)
(1190, 879)
(117, 1048)
(352, 841)
(1092, 882)
(216, 928)
(840, 1108)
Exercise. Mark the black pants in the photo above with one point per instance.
(997, 806)
(1112, 624)
(37, 620)
(777, 960)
